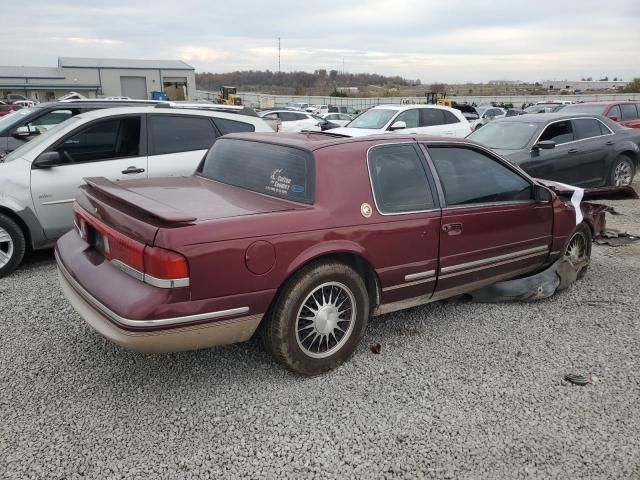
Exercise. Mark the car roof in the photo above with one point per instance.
(605, 103)
(399, 107)
(108, 112)
(315, 140)
(546, 117)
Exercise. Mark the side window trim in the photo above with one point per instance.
(428, 174)
(571, 120)
(142, 145)
(434, 173)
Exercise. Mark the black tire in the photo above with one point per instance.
(14, 248)
(280, 330)
(622, 163)
(583, 231)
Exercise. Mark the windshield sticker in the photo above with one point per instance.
(297, 189)
(278, 183)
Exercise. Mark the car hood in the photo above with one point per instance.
(356, 132)
(188, 199)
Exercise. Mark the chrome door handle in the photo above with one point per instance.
(133, 170)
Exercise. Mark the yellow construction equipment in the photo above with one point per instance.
(445, 102)
(229, 96)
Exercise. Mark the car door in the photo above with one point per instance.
(111, 148)
(561, 163)
(629, 116)
(177, 143)
(595, 142)
(411, 118)
(432, 122)
(492, 228)
(405, 194)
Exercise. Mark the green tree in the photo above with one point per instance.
(633, 86)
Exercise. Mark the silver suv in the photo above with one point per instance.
(39, 180)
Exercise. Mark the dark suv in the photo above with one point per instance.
(22, 125)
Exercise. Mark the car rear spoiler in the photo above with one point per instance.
(150, 207)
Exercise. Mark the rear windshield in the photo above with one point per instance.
(592, 109)
(275, 170)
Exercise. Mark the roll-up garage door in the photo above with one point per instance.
(134, 87)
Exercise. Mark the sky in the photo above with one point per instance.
(451, 41)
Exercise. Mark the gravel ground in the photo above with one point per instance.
(459, 390)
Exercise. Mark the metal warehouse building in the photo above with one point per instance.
(101, 77)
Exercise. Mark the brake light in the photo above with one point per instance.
(153, 265)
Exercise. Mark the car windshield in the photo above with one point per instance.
(375, 118)
(14, 117)
(505, 135)
(38, 140)
(275, 170)
(592, 109)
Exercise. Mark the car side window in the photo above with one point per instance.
(174, 133)
(469, 176)
(449, 117)
(288, 116)
(51, 119)
(586, 128)
(231, 126)
(430, 117)
(615, 112)
(629, 111)
(410, 117)
(105, 140)
(399, 180)
(559, 132)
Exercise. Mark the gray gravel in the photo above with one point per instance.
(459, 390)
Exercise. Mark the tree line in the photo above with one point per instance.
(301, 82)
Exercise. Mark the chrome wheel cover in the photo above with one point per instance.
(6, 247)
(325, 320)
(576, 248)
(622, 174)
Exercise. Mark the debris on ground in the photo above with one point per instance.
(375, 348)
(615, 238)
(581, 380)
(534, 287)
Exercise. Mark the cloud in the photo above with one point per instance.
(432, 40)
(99, 41)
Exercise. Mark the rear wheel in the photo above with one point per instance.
(578, 248)
(12, 245)
(318, 318)
(622, 171)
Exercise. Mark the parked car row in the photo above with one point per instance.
(199, 225)
(39, 180)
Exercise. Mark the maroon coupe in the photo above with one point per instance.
(303, 237)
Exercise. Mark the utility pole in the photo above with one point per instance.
(342, 65)
(278, 54)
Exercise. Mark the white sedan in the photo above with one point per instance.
(340, 119)
(408, 119)
(293, 121)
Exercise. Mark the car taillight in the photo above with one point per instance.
(153, 265)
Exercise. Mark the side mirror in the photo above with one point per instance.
(544, 145)
(22, 132)
(399, 125)
(47, 160)
(542, 194)
(612, 117)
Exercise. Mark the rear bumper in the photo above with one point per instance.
(108, 324)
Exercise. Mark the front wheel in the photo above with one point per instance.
(622, 171)
(318, 318)
(578, 249)
(12, 245)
